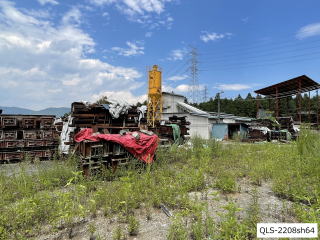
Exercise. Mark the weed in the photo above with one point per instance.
(177, 230)
(230, 227)
(60, 195)
(92, 228)
(226, 184)
(133, 226)
(118, 234)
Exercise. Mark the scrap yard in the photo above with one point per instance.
(114, 170)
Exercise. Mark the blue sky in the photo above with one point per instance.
(54, 52)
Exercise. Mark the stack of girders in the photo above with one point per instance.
(27, 136)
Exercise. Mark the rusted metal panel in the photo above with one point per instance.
(13, 144)
(28, 123)
(9, 156)
(9, 122)
(47, 135)
(49, 143)
(35, 143)
(10, 135)
(46, 123)
(34, 154)
(31, 134)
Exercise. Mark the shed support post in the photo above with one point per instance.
(299, 100)
(258, 104)
(318, 113)
(277, 103)
(309, 108)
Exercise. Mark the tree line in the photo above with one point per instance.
(247, 107)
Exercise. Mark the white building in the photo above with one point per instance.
(201, 122)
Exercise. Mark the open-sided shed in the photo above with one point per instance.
(295, 86)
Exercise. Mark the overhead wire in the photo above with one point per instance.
(270, 62)
(252, 47)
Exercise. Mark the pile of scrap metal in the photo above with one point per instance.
(114, 129)
(174, 130)
(281, 129)
(22, 136)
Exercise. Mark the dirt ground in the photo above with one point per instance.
(271, 208)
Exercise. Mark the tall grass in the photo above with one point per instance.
(59, 196)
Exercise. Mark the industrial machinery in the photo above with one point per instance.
(154, 97)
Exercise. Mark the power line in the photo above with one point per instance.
(260, 54)
(252, 47)
(180, 70)
(176, 67)
(269, 62)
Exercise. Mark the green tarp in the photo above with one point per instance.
(176, 133)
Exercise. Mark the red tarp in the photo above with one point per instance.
(143, 148)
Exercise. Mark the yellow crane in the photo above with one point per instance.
(154, 96)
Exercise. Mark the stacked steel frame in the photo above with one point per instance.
(22, 136)
(96, 155)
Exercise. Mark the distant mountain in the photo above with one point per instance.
(48, 111)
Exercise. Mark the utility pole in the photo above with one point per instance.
(194, 75)
(218, 95)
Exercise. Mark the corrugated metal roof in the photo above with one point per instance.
(212, 115)
(192, 109)
(290, 87)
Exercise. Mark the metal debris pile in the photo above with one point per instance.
(280, 129)
(27, 136)
(175, 130)
(115, 118)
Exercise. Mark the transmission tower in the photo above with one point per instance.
(205, 93)
(194, 91)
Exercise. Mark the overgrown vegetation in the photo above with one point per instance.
(60, 196)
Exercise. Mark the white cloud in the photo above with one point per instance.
(182, 88)
(53, 2)
(245, 20)
(233, 87)
(102, 2)
(147, 12)
(121, 95)
(134, 48)
(45, 64)
(309, 31)
(178, 77)
(207, 36)
(177, 54)
(72, 17)
(132, 7)
(148, 34)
